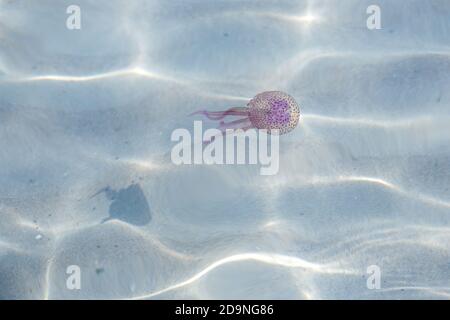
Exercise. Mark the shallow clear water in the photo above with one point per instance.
(87, 179)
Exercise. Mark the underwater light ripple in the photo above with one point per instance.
(325, 180)
(415, 121)
(275, 259)
(99, 76)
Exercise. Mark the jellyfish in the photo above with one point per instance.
(274, 111)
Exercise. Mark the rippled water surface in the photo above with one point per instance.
(87, 179)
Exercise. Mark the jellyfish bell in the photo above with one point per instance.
(275, 111)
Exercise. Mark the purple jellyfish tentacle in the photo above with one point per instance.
(243, 124)
(219, 115)
(236, 124)
(245, 128)
(223, 133)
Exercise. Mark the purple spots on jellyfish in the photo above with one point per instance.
(278, 113)
(271, 110)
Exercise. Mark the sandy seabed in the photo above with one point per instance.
(87, 179)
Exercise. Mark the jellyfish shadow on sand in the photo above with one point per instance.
(128, 205)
